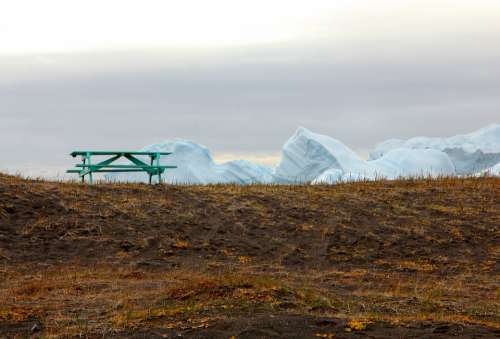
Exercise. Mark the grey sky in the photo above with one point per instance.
(247, 100)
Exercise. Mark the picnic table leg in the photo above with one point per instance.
(83, 176)
(91, 179)
(151, 173)
(158, 164)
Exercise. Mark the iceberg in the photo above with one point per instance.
(493, 171)
(316, 158)
(469, 153)
(403, 162)
(196, 166)
(329, 177)
(309, 157)
(306, 155)
(384, 147)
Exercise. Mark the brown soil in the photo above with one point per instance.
(413, 258)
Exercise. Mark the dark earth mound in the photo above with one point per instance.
(412, 258)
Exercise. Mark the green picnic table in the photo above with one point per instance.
(87, 167)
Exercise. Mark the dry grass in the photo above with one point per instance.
(72, 300)
(115, 259)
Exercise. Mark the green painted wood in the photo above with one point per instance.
(158, 164)
(135, 161)
(82, 153)
(109, 161)
(83, 176)
(117, 171)
(107, 171)
(123, 166)
(87, 168)
(151, 174)
(91, 178)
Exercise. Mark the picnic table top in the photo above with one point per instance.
(77, 153)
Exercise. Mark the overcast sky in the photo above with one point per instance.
(240, 76)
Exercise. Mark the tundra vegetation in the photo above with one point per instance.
(403, 258)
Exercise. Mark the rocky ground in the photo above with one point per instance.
(412, 258)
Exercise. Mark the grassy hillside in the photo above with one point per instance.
(382, 259)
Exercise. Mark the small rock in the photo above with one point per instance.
(148, 263)
(166, 252)
(150, 242)
(35, 328)
(126, 245)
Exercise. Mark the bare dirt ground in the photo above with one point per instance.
(400, 259)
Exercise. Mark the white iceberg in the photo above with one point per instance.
(402, 162)
(320, 159)
(306, 155)
(382, 148)
(195, 165)
(316, 158)
(493, 171)
(469, 153)
(330, 176)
